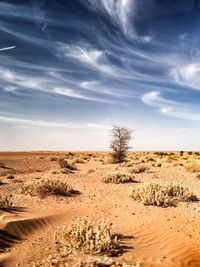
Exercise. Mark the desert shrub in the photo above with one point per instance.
(193, 166)
(118, 178)
(160, 154)
(158, 164)
(58, 261)
(4, 201)
(53, 159)
(64, 164)
(46, 187)
(161, 195)
(54, 172)
(66, 171)
(85, 236)
(139, 168)
(78, 160)
(10, 176)
(2, 165)
(69, 154)
(108, 263)
(91, 171)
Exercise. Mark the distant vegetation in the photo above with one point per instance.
(140, 168)
(193, 166)
(118, 178)
(121, 137)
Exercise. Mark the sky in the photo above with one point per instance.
(69, 70)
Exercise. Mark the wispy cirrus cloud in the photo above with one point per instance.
(187, 75)
(19, 121)
(7, 48)
(171, 108)
(119, 11)
(82, 59)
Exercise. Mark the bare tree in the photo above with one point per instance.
(120, 143)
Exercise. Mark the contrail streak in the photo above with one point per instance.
(7, 48)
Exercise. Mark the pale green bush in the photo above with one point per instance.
(118, 178)
(161, 195)
(46, 187)
(139, 168)
(85, 236)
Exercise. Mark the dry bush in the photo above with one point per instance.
(109, 263)
(10, 176)
(4, 201)
(91, 171)
(193, 166)
(161, 195)
(140, 168)
(53, 159)
(46, 187)
(97, 240)
(2, 165)
(59, 261)
(78, 160)
(118, 178)
(64, 164)
(161, 154)
(85, 236)
(158, 164)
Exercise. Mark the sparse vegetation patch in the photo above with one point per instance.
(64, 164)
(118, 178)
(139, 168)
(46, 187)
(161, 195)
(87, 237)
(193, 166)
(4, 201)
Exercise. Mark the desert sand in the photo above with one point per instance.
(152, 235)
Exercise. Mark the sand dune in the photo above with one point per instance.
(156, 247)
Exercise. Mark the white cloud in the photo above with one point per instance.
(101, 88)
(155, 99)
(42, 83)
(18, 121)
(147, 38)
(7, 48)
(187, 74)
(171, 108)
(71, 93)
(92, 57)
(10, 88)
(120, 12)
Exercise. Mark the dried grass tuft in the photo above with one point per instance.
(193, 166)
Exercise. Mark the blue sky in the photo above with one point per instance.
(71, 69)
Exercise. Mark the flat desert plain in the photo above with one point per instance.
(153, 230)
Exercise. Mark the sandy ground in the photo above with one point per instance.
(153, 235)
